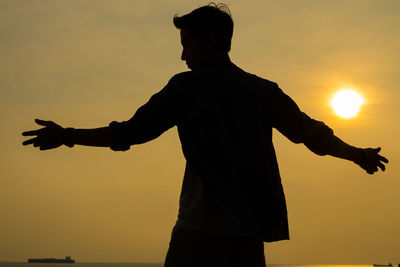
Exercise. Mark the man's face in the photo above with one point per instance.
(195, 53)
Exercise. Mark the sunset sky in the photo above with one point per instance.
(84, 63)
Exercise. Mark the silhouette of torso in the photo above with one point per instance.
(225, 118)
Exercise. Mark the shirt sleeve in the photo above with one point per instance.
(298, 127)
(152, 119)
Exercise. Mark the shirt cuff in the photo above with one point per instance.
(119, 140)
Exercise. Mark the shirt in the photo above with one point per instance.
(225, 118)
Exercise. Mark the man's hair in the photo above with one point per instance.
(214, 19)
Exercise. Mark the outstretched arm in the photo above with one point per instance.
(318, 137)
(53, 136)
(150, 121)
(367, 158)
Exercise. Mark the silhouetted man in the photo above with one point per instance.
(232, 198)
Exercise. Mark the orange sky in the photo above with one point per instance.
(84, 63)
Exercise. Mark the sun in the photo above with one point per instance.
(346, 103)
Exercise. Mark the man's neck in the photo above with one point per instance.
(218, 61)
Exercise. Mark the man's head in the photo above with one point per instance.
(206, 34)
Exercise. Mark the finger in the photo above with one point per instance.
(381, 166)
(30, 141)
(372, 170)
(44, 123)
(45, 147)
(381, 158)
(36, 144)
(30, 133)
(377, 149)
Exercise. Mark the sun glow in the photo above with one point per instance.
(346, 103)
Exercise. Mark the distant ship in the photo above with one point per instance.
(384, 265)
(52, 260)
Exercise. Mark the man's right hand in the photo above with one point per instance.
(49, 137)
(371, 160)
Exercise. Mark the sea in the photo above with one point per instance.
(25, 264)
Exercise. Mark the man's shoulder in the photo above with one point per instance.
(183, 76)
(235, 75)
(259, 80)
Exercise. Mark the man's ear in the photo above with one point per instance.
(209, 41)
